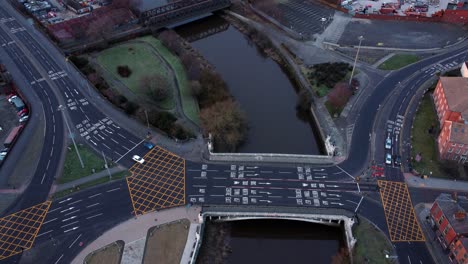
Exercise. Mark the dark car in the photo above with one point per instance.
(397, 160)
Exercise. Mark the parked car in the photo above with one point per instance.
(24, 119)
(148, 145)
(388, 143)
(23, 112)
(3, 152)
(397, 160)
(17, 102)
(388, 159)
(10, 96)
(138, 159)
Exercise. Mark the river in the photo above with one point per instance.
(269, 241)
(262, 88)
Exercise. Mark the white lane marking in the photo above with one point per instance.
(92, 196)
(357, 207)
(65, 200)
(92, 205)
(70, 218)
(44, 233)
(72, 223)
(48, 163)
(72, 212)
(286, 172)
(351, 201)
(50, 211)
(49, 221)
(43, 177)
(129, 151)
(113, 190)
(74, 241)
(59, 259)
(53, 139)
(115, 141)
(266, 171)
(93, 216)
(121, 135)
(345, 172)
(75, 202)
(76, 227)
(105, 146)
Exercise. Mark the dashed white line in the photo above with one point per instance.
(74, 241)
(113, 190)
(93, 216)
(49, 221)
(121, 135)
(105, 146)
(44, 233)
(59, 259)
(43, 177)
(115, 141)
(75, 202)
(89, 206)
(69, 224)
(72, 212)
(50, 211)
(92, 196)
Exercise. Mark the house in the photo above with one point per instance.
(77, 6)
(448, 215)
(459, 251)
(451, 103)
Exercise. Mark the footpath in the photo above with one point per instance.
(432, 183)
(134, 231)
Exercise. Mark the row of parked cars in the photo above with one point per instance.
(23, 116)
(389, 158)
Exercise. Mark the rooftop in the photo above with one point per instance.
(464, 241)
(449, 207)
(456, 92)
(459, 133)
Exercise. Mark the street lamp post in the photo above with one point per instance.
(355, 59)
(147, 121)
(106, 165)
(61, 108)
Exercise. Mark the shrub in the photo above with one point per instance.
(130, 107)
(122, 99)
(79, 61)
(88, 69)
(124, 71)
(329, 74)
(179, 132)
(155, 86)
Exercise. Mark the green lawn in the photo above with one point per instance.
(398, 61)
(423, 142)
(142, 61)
(116, 176)
(371, 244)
(72, 168)
(189, 104)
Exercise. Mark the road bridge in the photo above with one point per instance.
(177, 12)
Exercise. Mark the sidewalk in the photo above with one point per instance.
(432, 183)
(92, 177)
(137, 228)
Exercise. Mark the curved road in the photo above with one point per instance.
(87, 214)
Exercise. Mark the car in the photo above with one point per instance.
(24, 119)
(397, 160)
(22, 112)
(148, 145)
(11, 97)
(388, 159)
(3, 152)
(388, 143)
(138, 159)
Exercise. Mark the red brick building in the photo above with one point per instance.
(449, 219)
(451, 103)
(459, 251)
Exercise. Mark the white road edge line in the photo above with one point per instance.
(74, 241)
(59, 259)
(93, 216)
(44, 233)
(360, 201)
(92, 205)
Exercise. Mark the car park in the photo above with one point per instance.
(138, 159)
(388, 159)
(148, 145)
(23, 112)
(388, 143)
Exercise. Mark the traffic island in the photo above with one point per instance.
(110, 254)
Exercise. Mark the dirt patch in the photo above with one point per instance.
(110, 254)
(166, 243)
(215, 247)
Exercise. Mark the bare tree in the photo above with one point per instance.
(339, 95)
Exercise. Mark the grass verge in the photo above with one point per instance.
(166, 243)
(189, 104)
(398, 61)
(423, 142)
(116, 176)
(142, 61)
(110, 254)
(371, 244)
(72, 169)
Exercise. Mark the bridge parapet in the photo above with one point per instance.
(180, 10)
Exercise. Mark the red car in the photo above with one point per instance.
(23, 112)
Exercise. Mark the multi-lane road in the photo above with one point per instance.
(80, 218)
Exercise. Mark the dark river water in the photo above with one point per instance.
(269, 241)
(261, 87)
